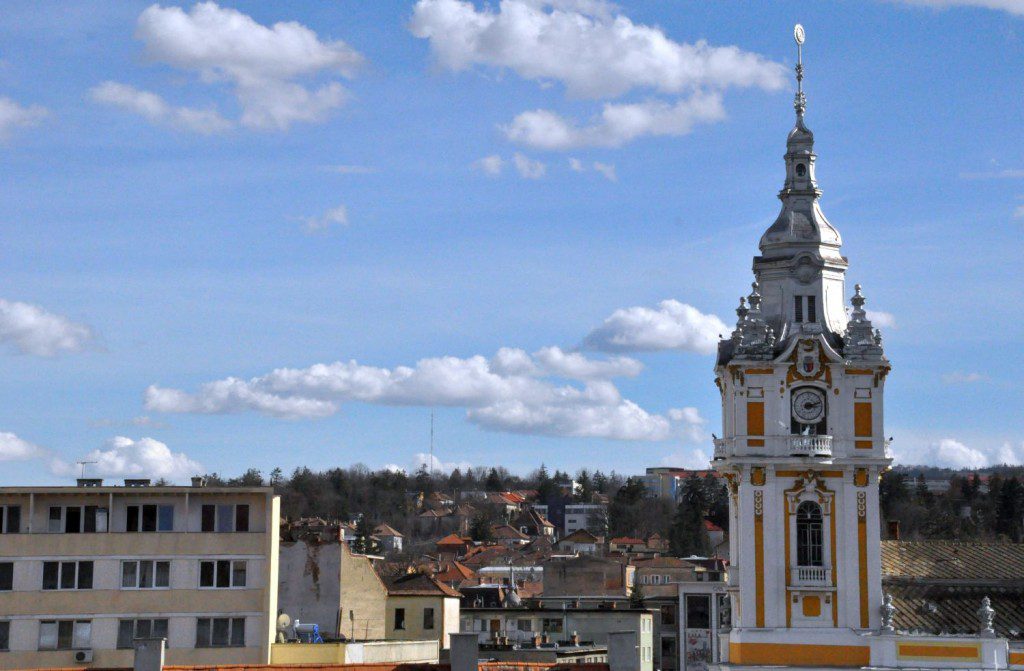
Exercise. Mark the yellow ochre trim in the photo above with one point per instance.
(939, 651)
(835, 593)
(800, 474)
(862, 420)
(760, 371)
(862, 444)
(859, 371)
(789, 571)
(811, 606)
(782, 654)
(1016, 657)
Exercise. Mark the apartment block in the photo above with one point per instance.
(84, 570)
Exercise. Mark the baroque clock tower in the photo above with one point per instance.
(802, 448)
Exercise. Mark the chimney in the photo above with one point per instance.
(894, 530)
(137, 482)
(536, 640)
(574, 639)
(198, 481)
(89, 482)
(545, 639)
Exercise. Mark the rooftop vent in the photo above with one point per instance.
(198, 481)
(89, 482)
(137, 482)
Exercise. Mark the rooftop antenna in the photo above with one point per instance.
(800, 103)
(83, 464)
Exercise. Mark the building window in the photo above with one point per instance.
(10, 519)
(77, 519)
(668, 614)
(428, 618)
(145, 574)
(222, 573)
(225, 518)
(812, 313)
(220, 632)
(149, 517)
(552, 625)
(129, 630)
(698, 611)
(67, 575)
(6, 576)
(798, 308)
(809, 535)
(5, 635)
(399, 619)
(64, 634)
(524, 625)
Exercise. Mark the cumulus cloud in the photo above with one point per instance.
(960, 377)
(881, 319)
(513, 391)
(595, 52)
(336, 216)
(695, 459)
(434, 464)
(576, 165)
(490, 165)
(617, 124)
(29, 329)
(954, 454)
(527, 167)
(125, 457)
(672, 325)
(1011, 6)
(157, 110)
(13, 448)
(261, 64)
(14, 115)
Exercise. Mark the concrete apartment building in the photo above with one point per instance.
(84, 570)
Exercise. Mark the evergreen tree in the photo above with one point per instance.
(480, 528)
(493, 482)
(688, 536)
(637, 596)
(600, 482)
(1009, 509)
(586, 492)
(364, 543)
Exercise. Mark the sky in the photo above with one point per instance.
(259, 234)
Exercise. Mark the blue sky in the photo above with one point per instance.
(201, 193)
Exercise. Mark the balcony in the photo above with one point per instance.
(809, 446)
(810, 576)
(776, 446)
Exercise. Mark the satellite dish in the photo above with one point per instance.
(284, 621)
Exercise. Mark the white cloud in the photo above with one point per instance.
(32, 330)
(491, 165)
(13, 448)
(954, 454)
(695, 459)
(510, 392)
(260, 63)
(1007, 454)
(143, 458)
(528, 168)
(336, 216)
(672, 325)
(1018, 213)
(14, 115)
(589, 47)
(577, 165)
(434, 464)
(1011, 6)
(960, 377)
(595, 52)
(156, 110)
(617, 123)
(607, 170)
(881, 319)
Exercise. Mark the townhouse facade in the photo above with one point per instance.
(85, 570)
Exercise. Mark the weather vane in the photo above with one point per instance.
(800, 103)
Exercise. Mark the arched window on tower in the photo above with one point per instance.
(809, 535)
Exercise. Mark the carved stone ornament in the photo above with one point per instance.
(753, 337)
(861, 339)
(986, 616)
(888, 613)
(757, 476)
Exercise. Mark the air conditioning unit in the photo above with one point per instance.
(83, 656)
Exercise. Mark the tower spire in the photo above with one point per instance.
(800, 100)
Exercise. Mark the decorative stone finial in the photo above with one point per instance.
(800, 100)
(861, 338)
(753, 337)
(986, 615)
(888, 613)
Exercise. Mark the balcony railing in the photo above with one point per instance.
(789, 446)
(810, 576)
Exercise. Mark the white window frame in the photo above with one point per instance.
(231, 567)
(138, 573)
(81, 634)
(63, 521)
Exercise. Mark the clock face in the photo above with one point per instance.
(808, 406)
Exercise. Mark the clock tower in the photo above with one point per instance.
(802, 448)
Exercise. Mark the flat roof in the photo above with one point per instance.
(140, 489)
